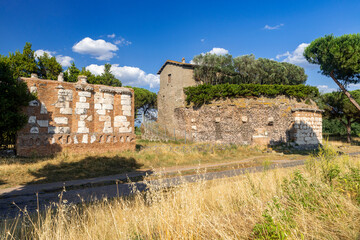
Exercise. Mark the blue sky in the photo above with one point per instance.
(137, 37)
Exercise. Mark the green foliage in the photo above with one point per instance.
(268, 229)
(22, 64)
(338, 107)
(14, 95)
(338, 54)
(145, 100)
(49, 68)
(219, 69)
(205, 93)
(71, 74)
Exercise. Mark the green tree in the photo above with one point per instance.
(214, 69)
(145, 101)
(338, 106)
(339, 58)
(71, 74)
(23, 64)
(49, 68)
(107, 78)
(14, 95)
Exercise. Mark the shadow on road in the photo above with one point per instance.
(88, 167)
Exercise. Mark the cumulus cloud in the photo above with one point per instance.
(296, 57)
(132, 76)
(267, 27)
(40, 53)
(202, 40)
(111, 35)
(326, 89)
(219, 51)
(99, 49)
(65, 61)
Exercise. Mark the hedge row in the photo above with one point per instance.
(206, 93)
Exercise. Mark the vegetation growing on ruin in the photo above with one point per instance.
(205, 93)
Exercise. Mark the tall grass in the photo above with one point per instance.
(304, 203)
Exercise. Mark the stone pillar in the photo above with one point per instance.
(82, 79)
(34, 75)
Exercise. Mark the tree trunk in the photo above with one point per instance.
(348, 130)
(352, 100)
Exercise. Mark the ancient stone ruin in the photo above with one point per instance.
(78, 117)
(251, 120)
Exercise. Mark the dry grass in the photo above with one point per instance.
(21, 171)
(276, 204)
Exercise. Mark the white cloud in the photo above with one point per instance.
(202, 40)
(267, 27)
(111, 35)
(326, 89)
(219, 51)
(122, 41)
(296, 57)
(40, 53)
(65, 61)
(132, 76)
(99, 49)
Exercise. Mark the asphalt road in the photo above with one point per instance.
(11, 202)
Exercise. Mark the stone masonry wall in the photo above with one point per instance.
(78, 117)
(259, 121)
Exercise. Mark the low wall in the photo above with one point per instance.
(257, 121)
(78, 117)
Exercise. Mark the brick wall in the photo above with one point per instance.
(78, 117)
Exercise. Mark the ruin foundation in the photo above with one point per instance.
(250, 121)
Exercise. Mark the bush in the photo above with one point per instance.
(205, 93)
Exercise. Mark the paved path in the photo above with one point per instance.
(97, 188)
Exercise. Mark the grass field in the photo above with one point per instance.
(318, 201)
(149, 155)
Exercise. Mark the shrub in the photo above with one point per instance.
(205, 93)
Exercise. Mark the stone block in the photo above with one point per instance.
(43, 123)
(98, 106)
(85, 138)
(90, 118)
(83, 130)
(217, 119)
(33, 89)
(244, 119)
(92, 139)
(75, 140)
(126, 102)
(84, 94)
(124, 96)
(81, 124)
(43, 109)
(124, 130)
(34, 103)
(194, 128)
(32, 119)
(127, 113)
(108, 106)
(56, 130)
(120, 119)
(126, 107)
(80, 111)
(61, 120)
(82, 99)
(121, 124)
(83, 117)
(66, 111)
(101, 112)
(82, 105)
(34, 130)
(60, 104)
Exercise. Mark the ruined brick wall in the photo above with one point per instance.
(78, 117)
(259, 121)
